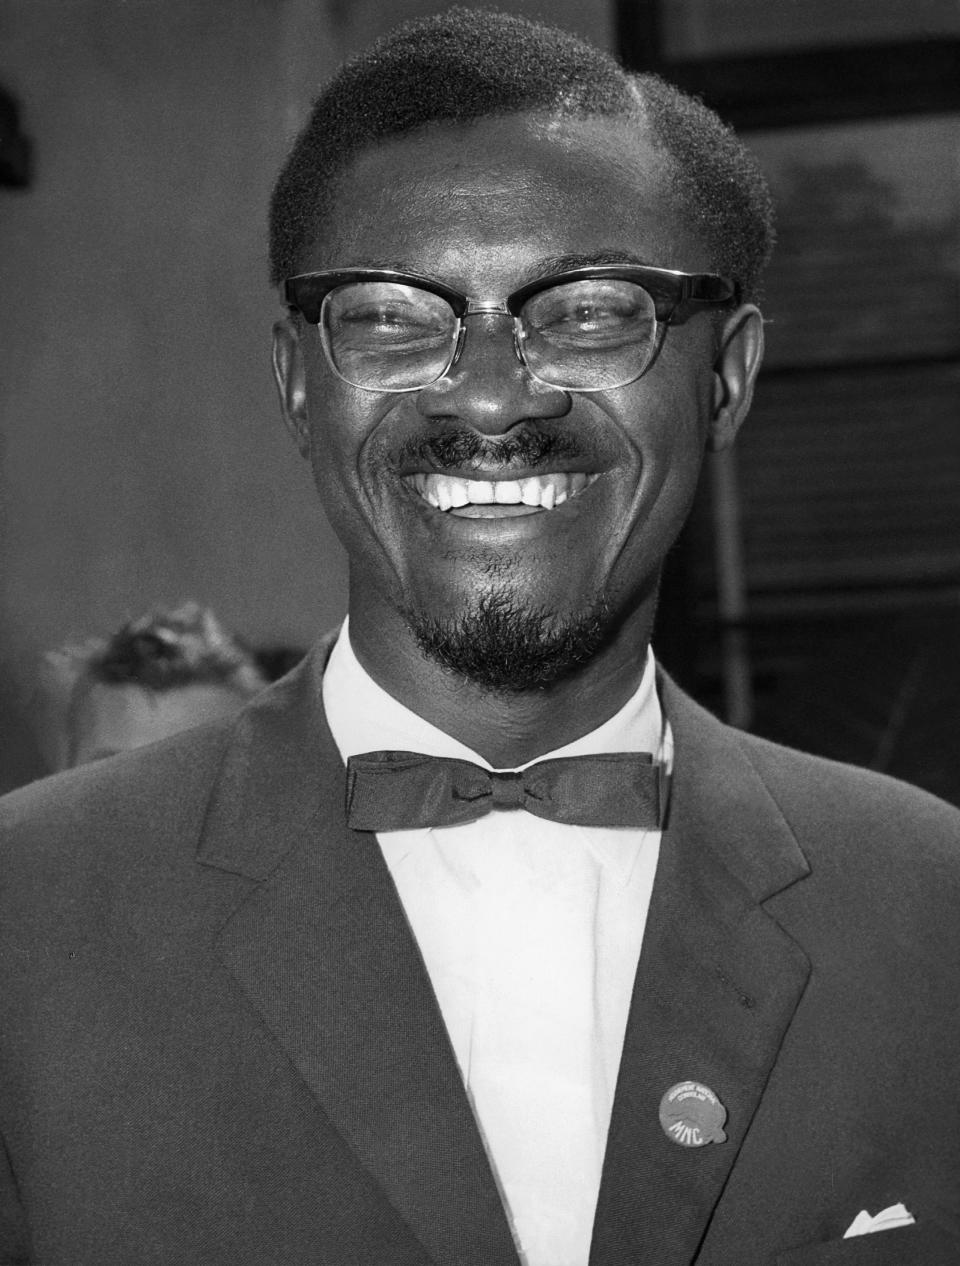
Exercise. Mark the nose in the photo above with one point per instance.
(488, 388)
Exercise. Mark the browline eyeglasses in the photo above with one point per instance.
(586, 329)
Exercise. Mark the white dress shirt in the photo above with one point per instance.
(530, 931)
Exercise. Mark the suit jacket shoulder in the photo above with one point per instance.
(863, 817)
(152, 803)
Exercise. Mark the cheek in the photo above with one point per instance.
(338, 425)
(344, 432)
(686, 375)
(667, 428)
(668, 424)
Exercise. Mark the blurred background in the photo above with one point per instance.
(815, 596)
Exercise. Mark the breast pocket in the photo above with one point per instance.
(904, 1246)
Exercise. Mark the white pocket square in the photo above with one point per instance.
(885, 1220)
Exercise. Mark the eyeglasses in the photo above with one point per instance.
(589, 329)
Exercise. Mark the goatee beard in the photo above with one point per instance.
(506, 648)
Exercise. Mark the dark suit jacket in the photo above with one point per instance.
(218, 1043)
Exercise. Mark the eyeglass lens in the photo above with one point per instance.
(592, 334)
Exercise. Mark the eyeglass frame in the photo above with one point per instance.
(677, 296)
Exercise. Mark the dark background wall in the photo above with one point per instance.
(815, 596)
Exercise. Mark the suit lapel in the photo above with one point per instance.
(322, 950)
(716, 987)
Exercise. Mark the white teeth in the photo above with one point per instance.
(507, 492)
(531, 492)
(537, 491)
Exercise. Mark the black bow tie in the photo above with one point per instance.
(396, 791)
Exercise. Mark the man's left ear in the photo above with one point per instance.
(734, 373)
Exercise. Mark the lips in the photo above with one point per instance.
(477, 497)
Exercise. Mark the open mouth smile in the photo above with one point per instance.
(483, 498)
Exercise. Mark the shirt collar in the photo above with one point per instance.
(363, 717)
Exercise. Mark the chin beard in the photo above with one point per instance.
(506, 648)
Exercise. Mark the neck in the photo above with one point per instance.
(506, 729)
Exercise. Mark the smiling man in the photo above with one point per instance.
(475, 942)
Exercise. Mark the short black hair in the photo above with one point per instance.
(467, 64)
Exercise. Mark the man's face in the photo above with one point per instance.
(486, 208)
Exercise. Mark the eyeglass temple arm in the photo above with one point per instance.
(701, 293)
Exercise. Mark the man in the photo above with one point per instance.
(688, 998)
(158, 674)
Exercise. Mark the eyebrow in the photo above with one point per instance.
(592, 259)
(544, 268)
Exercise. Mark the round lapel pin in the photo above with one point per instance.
(692, 1115)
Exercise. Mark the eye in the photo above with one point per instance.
(375, 314)
(387, 318)
(592, 311)
(593, 315)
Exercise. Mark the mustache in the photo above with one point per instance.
(453, 447)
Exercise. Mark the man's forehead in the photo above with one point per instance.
(494, 144)
(548, 190)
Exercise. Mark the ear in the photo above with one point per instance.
(290, 375)
(734, 373)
